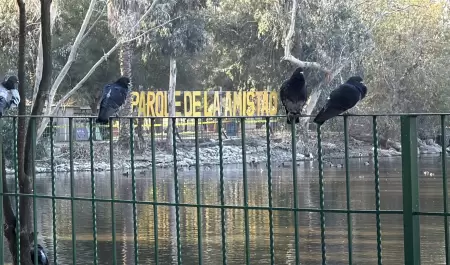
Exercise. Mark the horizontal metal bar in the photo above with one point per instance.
(431, 213)
(237, 207)
(233, 117)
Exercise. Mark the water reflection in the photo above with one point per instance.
(362, 197)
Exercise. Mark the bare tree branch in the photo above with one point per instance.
(150, 9)
(94, 24)
(409, 70)
(149, 30)
(73, 52)
(53, 111)
(288, 40)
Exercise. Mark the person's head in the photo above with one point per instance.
(11, 83)
(123, 81)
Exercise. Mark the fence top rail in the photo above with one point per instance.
(230, 117)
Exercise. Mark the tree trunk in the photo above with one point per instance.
(140, 130)
(171, 99)
(46, 81)
(25, 158)
(38, 73)
(10, 218)
(21, 136)
(95, 101)
(26, 214)
(131, 38)
(94, 110)
(125, 57)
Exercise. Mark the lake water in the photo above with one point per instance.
(362, 198)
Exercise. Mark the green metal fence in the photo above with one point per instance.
(410, 190)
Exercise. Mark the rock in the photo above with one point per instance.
(209, 154)
(397, 146)
(391, 152)
(189, 161)
(429, 142)
(183, 164)
(430, 149)
(300, 157)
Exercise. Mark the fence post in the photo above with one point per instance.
(410, 184)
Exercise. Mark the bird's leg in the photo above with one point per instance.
(289, 118)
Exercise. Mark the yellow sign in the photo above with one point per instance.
(204, 103)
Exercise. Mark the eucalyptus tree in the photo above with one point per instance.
(185, 35)
(123, 16)
(408, 69)
(13, 232)
(263, 40)
(82, 34)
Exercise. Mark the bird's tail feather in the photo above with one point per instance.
(104, 114)
(325, 114)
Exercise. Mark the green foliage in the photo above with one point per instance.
(400, 47)
(185, 35)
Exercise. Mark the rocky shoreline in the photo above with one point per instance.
(256, 152)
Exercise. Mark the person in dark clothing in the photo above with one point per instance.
(345, 97)
(9, 94)
(114, 95)
(293, 95)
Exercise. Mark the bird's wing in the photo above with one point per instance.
(337, 93)
(106, 91)
(294, 106)
(283, 88)
(345, 97)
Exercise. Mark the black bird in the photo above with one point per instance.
(114, 95)
(293, 95)
(42, 257)
(9, 94)
(345, 97)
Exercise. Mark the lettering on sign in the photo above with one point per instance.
(204, 103)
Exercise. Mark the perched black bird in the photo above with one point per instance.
(42, 257)
(9, 94)
(342, 99)
(114, 95)
(293, 95)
